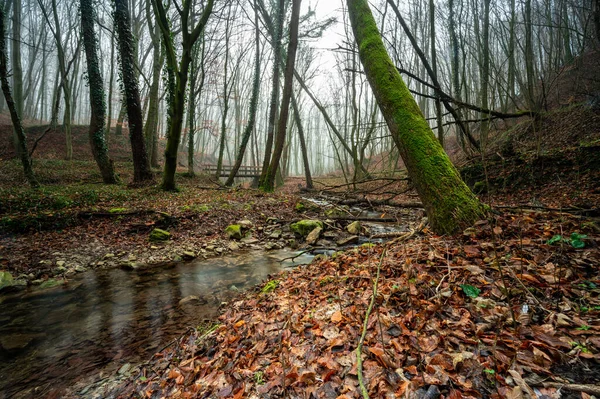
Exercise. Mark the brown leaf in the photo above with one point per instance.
(336, 317)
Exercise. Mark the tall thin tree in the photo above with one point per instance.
(97, 103)
(141, 164)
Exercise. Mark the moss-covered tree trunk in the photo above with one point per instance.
(97, 104)
(449, 203)
(141, 164)
(14, 115)
(177, 76)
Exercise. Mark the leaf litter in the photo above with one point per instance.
(496, 312)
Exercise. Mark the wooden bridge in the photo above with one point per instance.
(243, 171)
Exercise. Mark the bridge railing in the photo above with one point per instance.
(243, 171)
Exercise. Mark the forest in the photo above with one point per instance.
(300, 199)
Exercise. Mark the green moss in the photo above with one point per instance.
(300, 207)
(480, 187)
(117, 210)
(6, 280)
(270, 286)
(304, 227)
(234, 231)
(51, 283)
(448, 202)
(159, 235)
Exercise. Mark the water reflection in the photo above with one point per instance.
(50, 338)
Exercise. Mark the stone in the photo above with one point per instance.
(192, 300)
(354, 228)
(17, 342)
(80, 269)
(6, 280)
(188, 255)
(159, 235)
(107, 256)
(313, 236)
(249, 240)
(272, 220)
(245, 224)
(60, 263)
(220, 250)
(269, 246)
(51, 283)
(330, 235)
(304, 227)
(347, 241)
(233, 246)
(234, 231)
(276, 235)
(124, 369)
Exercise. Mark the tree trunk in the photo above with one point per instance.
(253, 106)
(438, 101)
(226, 92)
(269, 182)
(301, 136)
(141, 165)
(151, 128)
(97, 104)
(177, 78)
(16, 120)
(273, 104)
(17, 70)
(448, 202)
(111, 81)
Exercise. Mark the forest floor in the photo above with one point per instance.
(508, 308)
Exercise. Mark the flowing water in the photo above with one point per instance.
(102, 319)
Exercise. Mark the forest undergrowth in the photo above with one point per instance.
(510, 308)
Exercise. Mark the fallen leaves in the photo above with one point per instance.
(499, 324)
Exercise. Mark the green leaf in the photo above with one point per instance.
(554, 239)
(577, 244)
(470, 291)
(577, 236)
(489, 371)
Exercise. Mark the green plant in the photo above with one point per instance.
(583, 328)
(470, 291)
(575, 240)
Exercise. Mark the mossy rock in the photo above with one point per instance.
(354, 228)
(480, 187)
(304, 227)
(159, 235)
(6, 280)
(51, 283)
(234, 231)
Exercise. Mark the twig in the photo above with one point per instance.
(572, 210)
(587, 388)
(361, 341)
(35, 143)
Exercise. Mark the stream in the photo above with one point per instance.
(108, 319)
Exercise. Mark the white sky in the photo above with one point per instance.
(331, 39)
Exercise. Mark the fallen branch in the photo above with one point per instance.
(573, 210)
(587, 388)
(388, 202)
(365, 219)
